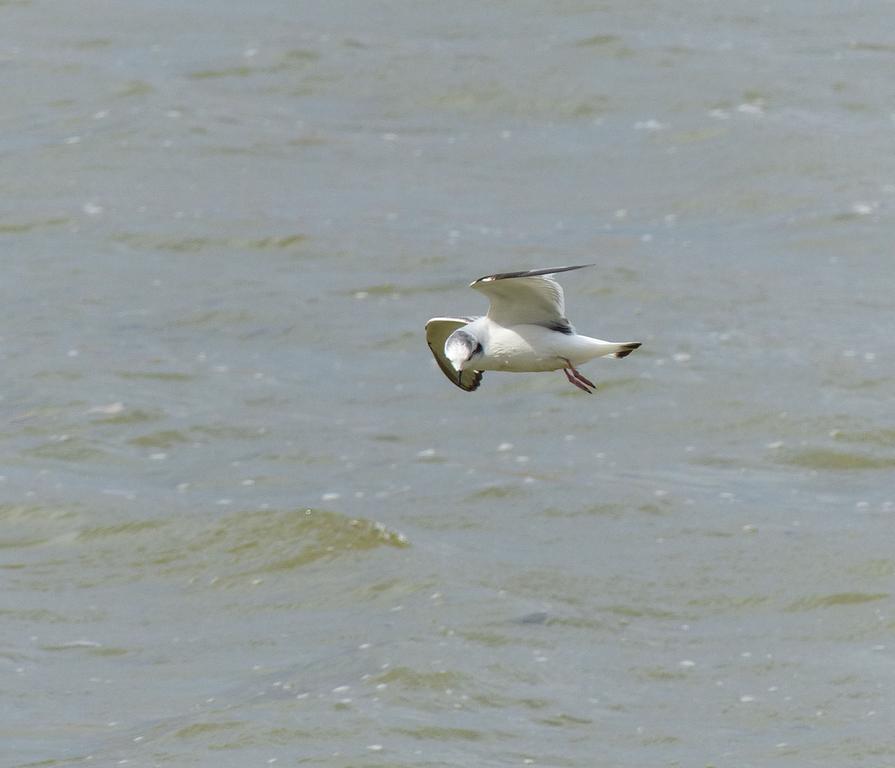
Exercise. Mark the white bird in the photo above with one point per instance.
(525, 330)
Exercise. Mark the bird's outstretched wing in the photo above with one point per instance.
(437, 331)
(529, 297)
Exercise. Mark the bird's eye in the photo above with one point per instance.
(478, 349)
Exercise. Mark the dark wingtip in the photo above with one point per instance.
(627, 349)
(529, 273)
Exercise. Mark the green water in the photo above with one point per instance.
(244, 519)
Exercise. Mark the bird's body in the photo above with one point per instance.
(527, 347)
(525, 330)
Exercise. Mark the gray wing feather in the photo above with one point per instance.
(531, 296)
(530, 273)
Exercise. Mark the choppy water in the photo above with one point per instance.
(246, 521)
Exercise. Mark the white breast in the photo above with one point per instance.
(522, 348)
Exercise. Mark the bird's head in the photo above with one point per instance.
(462, 349)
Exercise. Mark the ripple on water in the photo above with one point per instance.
(127, 416)
(202, 730)
(237, 546)
(20, 227)
(67, 448)
(836, 600)
(879, 437)
(201, 243)
(165, 438)
(409, 679)
(89, 647)
(24, 526)
(155, 375)
(495, 492)
(70, 546)
(827, 459)
(442, 734)
(121, 529)
(272, 542)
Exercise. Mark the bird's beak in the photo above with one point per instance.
(459, 375)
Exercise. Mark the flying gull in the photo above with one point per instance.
(525, 330)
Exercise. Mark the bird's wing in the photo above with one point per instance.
(437, 331)
(532, 296)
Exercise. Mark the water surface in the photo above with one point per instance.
(246, 520)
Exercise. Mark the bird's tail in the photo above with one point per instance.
(626, 348)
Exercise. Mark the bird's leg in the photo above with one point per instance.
(577, 378)
(575, 381)
(583, 379)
